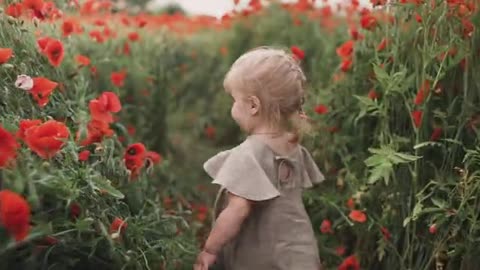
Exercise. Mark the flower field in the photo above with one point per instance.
(106, 116)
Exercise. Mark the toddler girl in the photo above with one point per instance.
(260, 220)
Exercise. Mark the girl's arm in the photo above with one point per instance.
(228, 223)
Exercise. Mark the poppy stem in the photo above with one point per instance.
(1, 179)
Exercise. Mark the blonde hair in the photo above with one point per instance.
(276, 78)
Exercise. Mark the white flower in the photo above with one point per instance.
(24, 82)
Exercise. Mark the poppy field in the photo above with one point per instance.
(107, 115)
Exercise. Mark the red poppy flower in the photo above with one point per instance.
(126, 48)
(372, 94)
(417, 118)
(118, 78)
(202, 208)
(55, 52)
(386, 234)
(134, 158)
(358, 216)
(96, 130)
(68, 27)
(35, 5)
(5, 54)
(433, 229)
(133, 36)
(201, 217)
(378, 2)
(368, 21)
(82, 60)
(49, 11)
(326, 227)
(131, 130)
(42, 89)
(297, 53)
(118, 225)
(8, 147)
(141, 22)
(255, 5)
(463, 63)
(463, 11)
(93, 70)
(102, 107)
(436, 134)
(84, 155)
(355, 34)
(96, 36)
(107, 32)
(383, 44)
(321, 109)
(350, 263)
(154, 157)
(346, 49)
(53, 49)
(99, 22)
(351, 203)
(210, 132)
(135, 151)
(422, 93)
(224, 51)
(333, 129)
(167, 202)
(14, 10)
(14, 214)
(24, 125)
(42, 43)
(75, 210)
(125, 21)
(340, 250)
(346, 65)
(47, 139)
(418, 18)
(468, 28)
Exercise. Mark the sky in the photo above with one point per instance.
(216, 7)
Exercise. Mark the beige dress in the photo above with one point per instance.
(278, 233)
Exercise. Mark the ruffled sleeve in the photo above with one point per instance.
(239, 171)
(311, 172)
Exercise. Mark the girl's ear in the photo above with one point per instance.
(254, 103)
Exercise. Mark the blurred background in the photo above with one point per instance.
(218, 8)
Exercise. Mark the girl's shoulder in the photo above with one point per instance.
(255, 163)
(243, 170)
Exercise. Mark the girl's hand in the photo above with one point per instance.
(204, 261)
(226, 227)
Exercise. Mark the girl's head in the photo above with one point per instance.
(268, 87)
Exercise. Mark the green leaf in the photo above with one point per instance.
(382, 171)
(439, 203)
(426, 144)
(406, 221)
(452, 141)
(417, 210)
(380, 74)
(365, 100)
(102, 184)
(407, 158)
(375, 160)
(84, 225)
(381, 248)
(377, 151)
